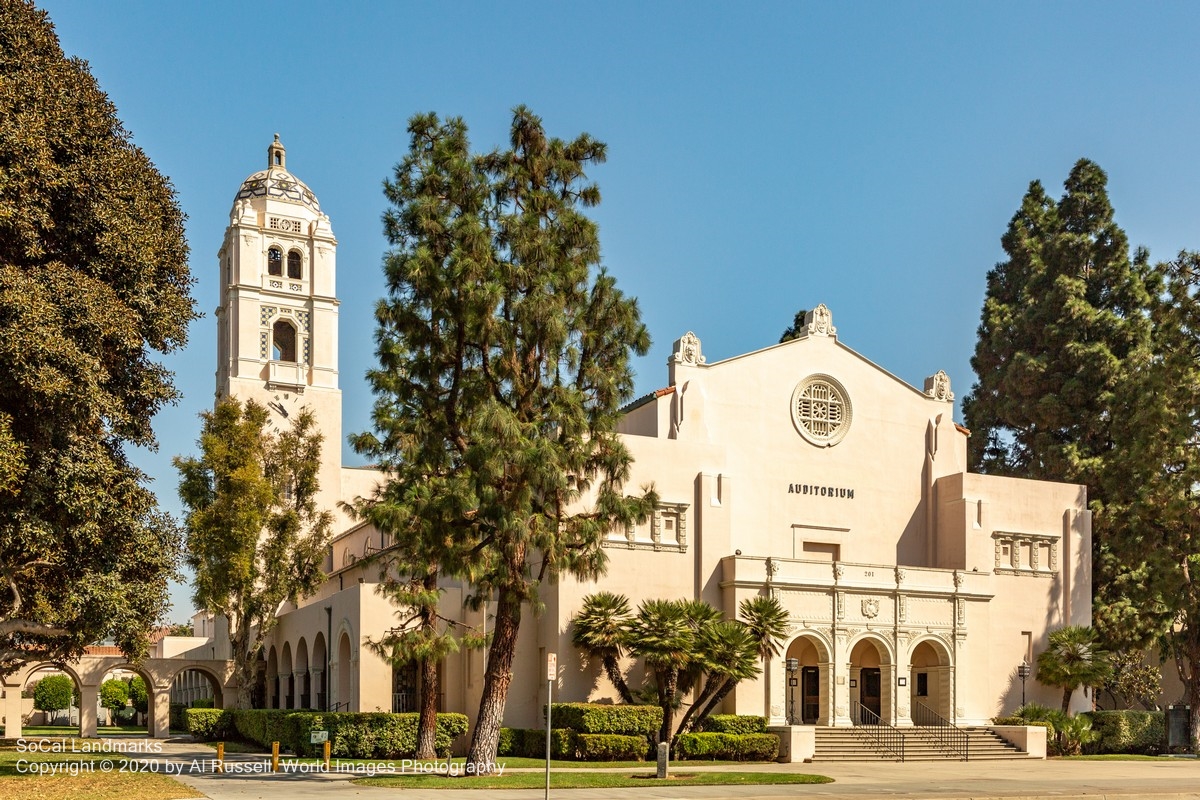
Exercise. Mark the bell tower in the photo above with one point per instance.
(277, 321)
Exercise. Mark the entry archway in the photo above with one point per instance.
(807, 692)
(287, 678)
(871, 679)
(272, 678)
(69, 717)
(345, 673)
(931, 682)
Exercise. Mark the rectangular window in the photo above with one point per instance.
(922, 684)
(820, 551)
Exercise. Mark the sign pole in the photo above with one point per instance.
(551, 673)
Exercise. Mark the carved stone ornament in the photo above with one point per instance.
(937, 386)
(958, 579)
(838, 571)
(772, 569)
(687, 350)
(870, 607)
(819, 322)
(900, 573)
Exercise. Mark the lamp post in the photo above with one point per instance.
(1023, 672)
(792, 664)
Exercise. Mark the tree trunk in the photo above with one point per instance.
(427, 722)
(694, 714)
(613, 670)
(482, 753)
(668, 705)
(245, 668)
(430, 687)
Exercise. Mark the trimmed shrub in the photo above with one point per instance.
(739, 724)
(601, 718)
(207, 724)
(178, 723)
(1135, 732)
(531, 743)
(351, 734)
(727, 746)
(610, 747)
(507, 743)
(204, 702)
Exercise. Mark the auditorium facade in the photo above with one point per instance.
(802, 470)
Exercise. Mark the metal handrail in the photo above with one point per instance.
(338, 706)
(952, 739)
(883, 736)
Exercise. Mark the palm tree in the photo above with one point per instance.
(1072, 659)
(600, 630)
(662, 634)
(728, 653)
(767, 619)
(766, 622)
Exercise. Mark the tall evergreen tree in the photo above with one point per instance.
(94, 285)
(504, 357)
(255, 536)
(1148, 529)
(1060, 318)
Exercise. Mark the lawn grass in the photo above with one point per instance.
(1117, 757)
(590, 780)
(509, 762)
(89, 783)
(34, 731)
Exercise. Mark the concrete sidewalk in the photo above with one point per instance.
(1062, 780)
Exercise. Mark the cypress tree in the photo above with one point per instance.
(1060, 319)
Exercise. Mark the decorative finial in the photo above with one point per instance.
(937, 386)
(686, 350)
(277, 138)
(818, 322)
(276, 154)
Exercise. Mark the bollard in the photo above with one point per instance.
(274, 756)
(220, 765)
(327, 755)
(664, 757)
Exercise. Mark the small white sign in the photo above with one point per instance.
(316, 737)
(551, 666)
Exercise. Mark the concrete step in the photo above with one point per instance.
(851, 744)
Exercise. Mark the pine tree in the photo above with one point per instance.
(1061, 317)
(255, 537)
(1148, 529)
(504, 357)
(94, 286)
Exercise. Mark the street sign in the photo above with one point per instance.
(551, 666)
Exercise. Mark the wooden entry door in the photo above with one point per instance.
(869, 689)
(810, 695)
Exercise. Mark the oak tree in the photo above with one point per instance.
(94, 286)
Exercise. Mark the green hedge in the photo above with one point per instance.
(727, 746)
(1136, 732)
(531, 743)
(602, 718)
(177, 720)
(739, 724)
(610, 747)
(351, 735)
(208, 724)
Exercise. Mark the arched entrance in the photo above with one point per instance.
(303, 675)
(126, 700)
(50, 720)
(272, 678)
(345, 671)
(871, 696)
(931, 681)
(287, 678)
(320, 668)
(807, 691)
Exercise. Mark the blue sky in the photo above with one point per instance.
(763, 157)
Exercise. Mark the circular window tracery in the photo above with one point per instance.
(821, 410)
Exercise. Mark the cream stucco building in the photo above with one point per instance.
(803, 470)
